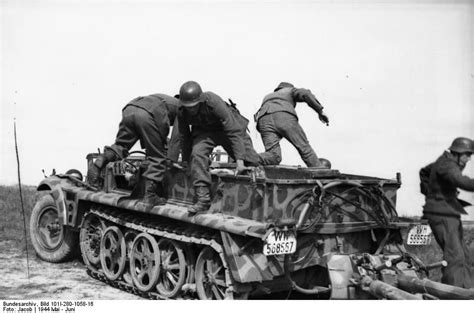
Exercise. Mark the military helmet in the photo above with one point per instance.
(283, 85)
(190, 94)
(325, 163)
(462, 145)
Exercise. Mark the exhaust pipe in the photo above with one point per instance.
(442, 291)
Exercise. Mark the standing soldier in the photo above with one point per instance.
(439, 183)
(206, 121)
(147, 119)
(277, 119)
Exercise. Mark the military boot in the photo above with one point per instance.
(204, 200)
(153, 194)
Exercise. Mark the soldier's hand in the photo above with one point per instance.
(324, 118)
(240, 167)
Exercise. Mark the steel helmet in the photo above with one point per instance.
(325, 163)
(190, 94)
(283, 85)
(462, 145)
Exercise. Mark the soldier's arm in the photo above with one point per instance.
(452, 174)
(230, 125)
(305, 95)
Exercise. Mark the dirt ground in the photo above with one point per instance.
(65, 281)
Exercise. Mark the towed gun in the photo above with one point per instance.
(387, 281)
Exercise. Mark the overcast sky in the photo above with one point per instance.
(394, 76)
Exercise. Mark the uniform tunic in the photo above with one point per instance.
(277, 119)
(443, 211)
(147, 119)
(214, 123)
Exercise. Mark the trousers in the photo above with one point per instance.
(448, 233)
(277, 125)
(203, 144)
(151, 131)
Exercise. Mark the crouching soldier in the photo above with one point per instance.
(206, 121)
(147, 119)
(439, 183)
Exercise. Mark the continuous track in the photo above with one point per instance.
(191, 236)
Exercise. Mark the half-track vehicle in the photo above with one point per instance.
(276, 230)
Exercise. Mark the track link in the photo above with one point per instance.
(162, 228)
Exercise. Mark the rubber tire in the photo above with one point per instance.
(68, 245)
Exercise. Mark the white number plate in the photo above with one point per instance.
(419, 235)
(280, 242)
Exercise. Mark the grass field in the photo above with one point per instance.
(11, 226)
(11, 216)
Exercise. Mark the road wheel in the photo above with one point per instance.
(173, 268)
(90, 235)
(145, 262)
(53, 242)
(210, 276)
(129, 236)
(113, 252)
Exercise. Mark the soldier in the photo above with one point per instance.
(439, 183)
(147, 119)
(277, 119)
(206, 121)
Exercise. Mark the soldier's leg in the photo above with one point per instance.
(125, 139)
(203, 143)
(152, 134)
(446, 232)
(271, 140)
(288, 126)
(251, 158)
(468, 283)
(127, 134)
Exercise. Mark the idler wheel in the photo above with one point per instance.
(113, 252)
(90, 236)
(173, 268)
(210, 276)
(145, 262)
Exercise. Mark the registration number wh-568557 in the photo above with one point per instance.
(419, 235)
(280, 242)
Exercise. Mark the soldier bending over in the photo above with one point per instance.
(206, 121)
(147, 119)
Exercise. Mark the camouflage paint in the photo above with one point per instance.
(245, 207)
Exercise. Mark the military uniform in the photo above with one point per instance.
(443, 210)
(147, 119)
(213, 123)
(277, 119)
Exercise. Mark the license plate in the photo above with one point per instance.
(280, 242)
(419, 235)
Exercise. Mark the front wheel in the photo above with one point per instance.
(53, 242)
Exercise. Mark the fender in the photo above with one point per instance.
(53, 184)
